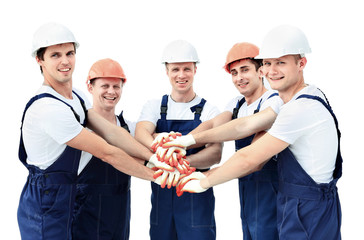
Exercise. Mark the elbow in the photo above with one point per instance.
(246, 164)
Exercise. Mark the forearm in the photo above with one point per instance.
(144, 133)
(92, 143)
(235, 167)
(131, 166)
(207, 157)
(118, 137)
(238, 128)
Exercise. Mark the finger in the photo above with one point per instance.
(157, 173)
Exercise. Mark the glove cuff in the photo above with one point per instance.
(190, 140)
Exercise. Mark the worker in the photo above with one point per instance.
(53, 134)
(189, 216)
(102, 206)
(306, 138)
(257, 191)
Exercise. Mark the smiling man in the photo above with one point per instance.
(181, 111)
(102, 208)
(53, 135)
(306, 139)
(258, 190)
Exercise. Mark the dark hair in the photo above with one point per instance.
(257, 63)
(41, 51)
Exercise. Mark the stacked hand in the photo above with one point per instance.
(170, 163)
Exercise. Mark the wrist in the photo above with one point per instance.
(204, 183)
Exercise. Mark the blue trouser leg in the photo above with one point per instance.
(258, 209)
(190, 216)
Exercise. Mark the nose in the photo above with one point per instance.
(65, 60)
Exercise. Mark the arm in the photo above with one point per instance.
(246, 160)
(238, 128)
(117, 136)
(90, 142)
(144, 133)
(206, 157)
(220, 119)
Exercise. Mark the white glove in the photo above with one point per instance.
(161, 165)
(171, 156)
(191, 183)
(164, 178)
(182, 142)
(164, 137)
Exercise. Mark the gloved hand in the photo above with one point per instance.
(171, 155)
(191, 183)
(163, 138)
(184, 167)
(164, 178)
(182, 142)
(161, 165)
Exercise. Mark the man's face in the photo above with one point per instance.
(59, 62)
(245, 77)
(106, 92)
(282, 73)
(181, 76)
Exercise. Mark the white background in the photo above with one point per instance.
(135, 32)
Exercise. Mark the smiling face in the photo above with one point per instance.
(285, 74)
(58, 63)
(181, 77)
(245, 77)
(106, 93)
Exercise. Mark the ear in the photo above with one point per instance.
(38, 60)
(89, 87)
(302, 63)
(260, 71)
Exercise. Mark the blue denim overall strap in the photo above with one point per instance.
(190, 216)
(258, 193)
(307, 210)
(47, 200)
(102, 207)
(269, 171)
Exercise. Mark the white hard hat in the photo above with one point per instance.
(179, 51)
(52, 34)
(284, 40)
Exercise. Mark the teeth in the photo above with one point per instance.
(109, 98)
(64, 70)
(181, 81)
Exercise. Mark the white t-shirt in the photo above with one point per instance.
(274, 102)
(310, 130)
(49, 124)
(176, 110)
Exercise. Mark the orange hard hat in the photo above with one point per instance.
(106, 68)
(240, 51)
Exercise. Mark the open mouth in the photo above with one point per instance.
(182, 82)
(65, 70)
(110, 98)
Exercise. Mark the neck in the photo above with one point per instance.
(64, 89)
(184, 97)
(108, 114)
(288, 94)
(257, 94)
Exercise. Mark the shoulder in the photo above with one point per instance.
(272, 99)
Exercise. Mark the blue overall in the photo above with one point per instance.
(307, 210)
(190, 216)
(102, 207)
(47, 200)
(258, 194)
